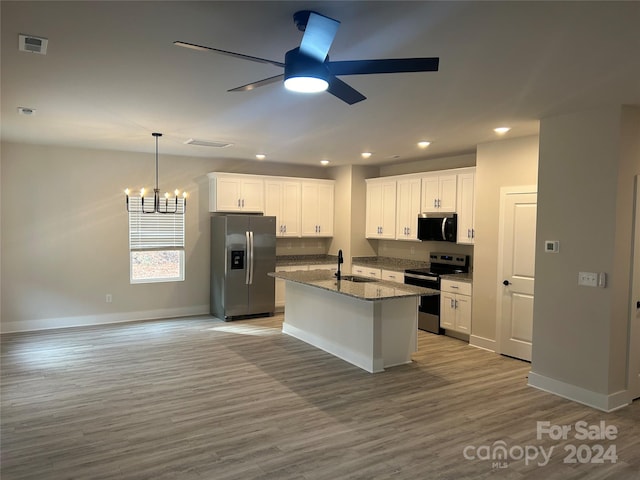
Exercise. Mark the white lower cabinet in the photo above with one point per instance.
(280, 284)
(392, 276)
(366, 271)
(455, 306)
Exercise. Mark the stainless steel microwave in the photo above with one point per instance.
(438, 227)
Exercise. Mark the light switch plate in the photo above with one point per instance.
(588, 279)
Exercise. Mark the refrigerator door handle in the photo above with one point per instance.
(247, 272)
(251, 264)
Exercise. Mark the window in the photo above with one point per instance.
(156, 244)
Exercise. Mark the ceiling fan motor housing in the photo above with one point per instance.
(300, 65)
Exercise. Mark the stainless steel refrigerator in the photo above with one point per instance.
(243, 251)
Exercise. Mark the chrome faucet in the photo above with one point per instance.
(340, 260)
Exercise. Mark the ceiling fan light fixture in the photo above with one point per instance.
(304, 74)
(306, 84)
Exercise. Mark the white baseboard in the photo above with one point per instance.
(482, 342)
(600, 401)
(102, 319)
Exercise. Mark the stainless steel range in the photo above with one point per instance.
(440, 264)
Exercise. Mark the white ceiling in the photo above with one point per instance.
(112, 76)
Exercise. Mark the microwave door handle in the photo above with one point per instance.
(444, 222)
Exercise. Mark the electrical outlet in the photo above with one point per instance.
(108, 298)
(588, 279)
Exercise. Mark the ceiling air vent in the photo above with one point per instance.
(29, 43)
(206, 143)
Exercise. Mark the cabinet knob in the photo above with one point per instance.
(506, 283)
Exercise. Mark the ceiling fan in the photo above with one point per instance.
(307, 68)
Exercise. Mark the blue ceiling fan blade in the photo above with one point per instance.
(318, 36)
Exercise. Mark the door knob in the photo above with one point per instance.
(506, 283)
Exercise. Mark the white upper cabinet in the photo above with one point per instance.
(466, 207)
(407, 208)
(381, 209)
(439, 193)
(282, 200)
(236, 193)
(317, 208)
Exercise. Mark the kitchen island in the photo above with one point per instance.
(372, 324)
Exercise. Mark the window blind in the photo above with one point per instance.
(155, 231)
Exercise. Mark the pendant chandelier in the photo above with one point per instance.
(168, 204)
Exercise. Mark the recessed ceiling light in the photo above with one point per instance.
(324, 162)
(424, 144)
(261, 156)
(366, 154)
(501, 130)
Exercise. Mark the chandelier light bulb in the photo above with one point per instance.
(158, 206)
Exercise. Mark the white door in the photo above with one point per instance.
(634, 333)
(516, 271)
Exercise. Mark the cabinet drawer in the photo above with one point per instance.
(451, 286)
(366, 271)
(393, 276)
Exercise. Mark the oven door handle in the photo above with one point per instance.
(421, 277)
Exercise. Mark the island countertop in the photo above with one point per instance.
(371, 291)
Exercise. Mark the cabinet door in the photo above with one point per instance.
(325, 210)
(447, 193)
(228, 196)
(252, 195)
(388, 209)
(430, 193)
(309, 207)
(374, 209)
(463, 313)
(381, 210)
(280, 287)
(273, 194)
(290, 209)
(447, 310)
(466, 207)
(408, 209)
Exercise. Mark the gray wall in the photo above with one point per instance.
(65, 234)
(505, 163)
(588, 161)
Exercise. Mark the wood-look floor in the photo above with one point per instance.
(196, 398)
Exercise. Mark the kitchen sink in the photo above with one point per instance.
(356, 279)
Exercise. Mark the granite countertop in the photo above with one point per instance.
(459, 277)
(289, 260)
(371, 291)
(389, 263)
